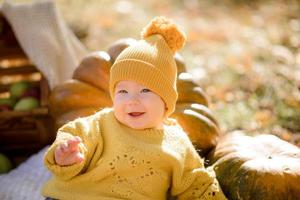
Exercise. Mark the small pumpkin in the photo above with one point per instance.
(189, 91)
(259, 167)
(192, 95)
(94, 69)
(117, 47)
(200, 129)
(74, 94)
(179, 63)
(199, 108)
(73, 114)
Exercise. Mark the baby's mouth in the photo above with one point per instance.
(136, 114)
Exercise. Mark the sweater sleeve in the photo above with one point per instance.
(192, 181)
(88, 129)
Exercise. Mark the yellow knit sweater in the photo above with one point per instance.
(123, 163)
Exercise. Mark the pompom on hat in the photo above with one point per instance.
(151, 62)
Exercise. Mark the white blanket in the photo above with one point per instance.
(25, 182)
(45, 38)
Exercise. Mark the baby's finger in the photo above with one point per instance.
(64, 147)
(74, 140)
(73, 158)
(59, 155)
(77, 138)
(58, 151)
(73, 144)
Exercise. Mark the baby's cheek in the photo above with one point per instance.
(117, 110)
(118, 115)
(157, 107)
(157, 112)
(117, 102)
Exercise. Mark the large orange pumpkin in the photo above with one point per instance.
(94, 69)
(261, 167)
(179, 63)
(117, 47)
(190, 92)
(199, 108)
(73, 114)
(200, 129)
(74, 94)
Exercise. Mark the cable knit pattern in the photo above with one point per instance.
(123, 163)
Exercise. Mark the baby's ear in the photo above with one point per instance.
(166, 108)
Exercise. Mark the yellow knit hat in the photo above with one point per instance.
(151, 61)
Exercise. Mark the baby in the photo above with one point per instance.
(133, 150)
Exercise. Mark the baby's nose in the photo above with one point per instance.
(133, 100)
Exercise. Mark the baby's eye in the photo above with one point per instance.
(122, 91)
(145, 90)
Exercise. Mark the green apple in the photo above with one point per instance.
(18, 89)
(8, 101)
(5, 164)
(26, 103)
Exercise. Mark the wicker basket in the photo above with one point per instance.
(22, 132)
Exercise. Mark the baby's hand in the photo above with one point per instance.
(68, 152)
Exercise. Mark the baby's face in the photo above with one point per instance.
(138, 107)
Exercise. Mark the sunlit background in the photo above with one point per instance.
(244, 54)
